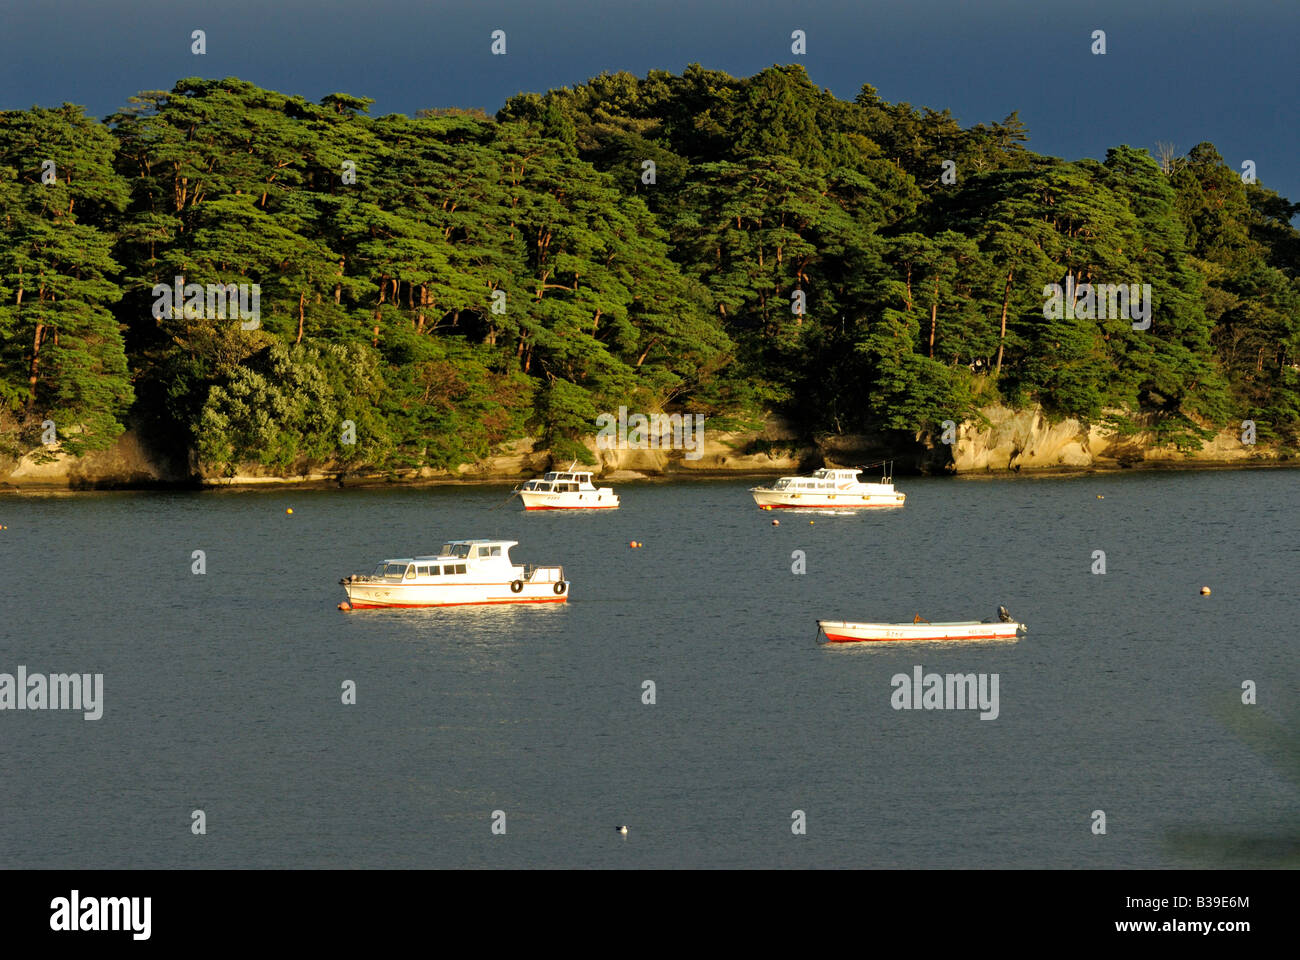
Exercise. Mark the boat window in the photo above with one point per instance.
(423, 570)
(485, 551)
(435, 570)
(379, 570)
(549, 476)
(460, 568)
(496, 551)
(460, 550)
(395, 571)
(410, 572)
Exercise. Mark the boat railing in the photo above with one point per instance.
(535, 573)
(886, 470)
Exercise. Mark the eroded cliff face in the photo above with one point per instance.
(1027, 439)
(775, 448)
(1005, 440)
(127, 463)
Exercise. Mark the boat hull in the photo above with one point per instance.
(582, 500)
(835, 501)
(377, 596)
(840, 631)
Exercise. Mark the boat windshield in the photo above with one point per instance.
(460, 550)
(379, 569)
(394, 571)
(550, 476)
(781, 485)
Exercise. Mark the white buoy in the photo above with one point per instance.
(623, 830)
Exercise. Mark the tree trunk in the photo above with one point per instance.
(1002, 334)
(650, 345)
(934, 315)
(36, 360)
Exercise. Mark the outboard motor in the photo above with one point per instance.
(1003, 615)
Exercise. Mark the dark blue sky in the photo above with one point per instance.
(1176, 71)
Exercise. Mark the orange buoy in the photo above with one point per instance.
(776, 523)
(1205, 591)
(288, 509)
(345, 606)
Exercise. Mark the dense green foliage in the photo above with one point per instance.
(446, 283)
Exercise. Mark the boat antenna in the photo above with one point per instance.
(874, 463)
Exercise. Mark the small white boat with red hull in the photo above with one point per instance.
(828, 489)
(566, 490)
(463, 572)
(843, 631)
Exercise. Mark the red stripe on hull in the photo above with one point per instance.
(841, 638)
(826, 506)
(610, 507)
(471, 603)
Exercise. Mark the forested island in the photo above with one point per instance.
(432, 290)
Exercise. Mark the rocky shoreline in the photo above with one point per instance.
(1002, 442)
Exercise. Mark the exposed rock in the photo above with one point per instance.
(1003, 439)
(776, 447)
(1026, 439)
(127, 463)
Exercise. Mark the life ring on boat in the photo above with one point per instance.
(559, 586)
(517, 587)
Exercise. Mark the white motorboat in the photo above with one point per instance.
(566, 490)
(827, 489)
(842, 631)
(463, 572)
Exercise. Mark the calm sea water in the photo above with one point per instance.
(223, 691)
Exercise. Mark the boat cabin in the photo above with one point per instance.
(820, 480)
(557, 482)
(836, 476)
(455, 558)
